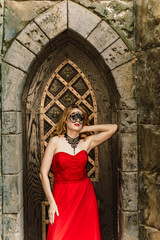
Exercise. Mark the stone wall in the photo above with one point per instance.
(148, 82)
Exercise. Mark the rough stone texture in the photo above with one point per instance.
(148, 24)
(11, 122)
(1, 208)
(19, 56)
(129, 191)
(33, 38)
(129, 226)
(119, 14)
(12, 193)
(148, 72)
(13, 81)
(149, 145)
(127, 120)
(102, 36)
(123, 76)
(13, 226)
(128, 149)
(149, 233)
(117, 54)
(150, 198)
(82, 25)
(12, 153)
(53, 21)
(18, 14)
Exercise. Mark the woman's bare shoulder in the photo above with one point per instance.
(55, 139)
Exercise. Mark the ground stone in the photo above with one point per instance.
(149, 233)
(12, 193)
(12, 153)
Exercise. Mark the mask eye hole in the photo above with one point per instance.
(76, 116)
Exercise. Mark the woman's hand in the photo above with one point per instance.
(51, 212)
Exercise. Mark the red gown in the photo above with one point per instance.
(75, 198)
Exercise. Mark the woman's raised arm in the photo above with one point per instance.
(106, 131)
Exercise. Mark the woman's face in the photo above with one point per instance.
(75, 120)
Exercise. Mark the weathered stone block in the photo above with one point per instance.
(117, 54)
(148, 23)
(128, 150)
(148, 84)
(13, 226)
(53, 21)
(127, 120)
(19, 13)
(33, 38)
(82, 25)
(149, 144)
(12, 153)
(102, 36)
(129, 191)
(12, 193)
(123, 76)
(129, 225)
(19, 56)
(148, 233)
(11, 122)
(149, 199)
(13, 81)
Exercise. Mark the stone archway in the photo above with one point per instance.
(112, 55)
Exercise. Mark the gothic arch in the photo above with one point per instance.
(111, 53)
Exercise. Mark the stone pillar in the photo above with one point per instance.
(148, 72)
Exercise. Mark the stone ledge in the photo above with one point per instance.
(149, 233)
(11, 122)
(12, 193)
(12, 153)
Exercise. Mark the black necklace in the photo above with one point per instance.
(73, 141)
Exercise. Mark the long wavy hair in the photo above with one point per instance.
(60, 127)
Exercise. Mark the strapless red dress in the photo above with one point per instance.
(75, 198)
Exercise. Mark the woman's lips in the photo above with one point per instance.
(76, 124)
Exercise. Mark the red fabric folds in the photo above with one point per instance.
(75, 197)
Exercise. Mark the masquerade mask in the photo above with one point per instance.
(76, 116)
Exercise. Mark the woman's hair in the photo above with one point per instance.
(60, 127)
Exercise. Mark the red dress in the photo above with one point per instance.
(75, 198)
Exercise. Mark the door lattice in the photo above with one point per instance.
(67, 85)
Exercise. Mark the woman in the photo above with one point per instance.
(73, 211)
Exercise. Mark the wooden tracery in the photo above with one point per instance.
(67, 85)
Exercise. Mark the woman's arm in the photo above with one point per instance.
(44, 170)
(106, 131)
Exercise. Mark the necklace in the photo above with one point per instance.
(72, 141)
